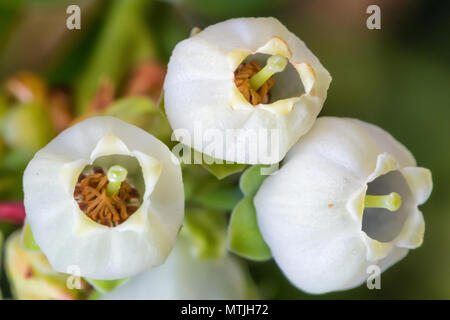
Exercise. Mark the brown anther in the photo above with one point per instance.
(94, 201)
(242, 80)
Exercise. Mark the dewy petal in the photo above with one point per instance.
(199, 87)
(419, 181)
(184, 276)
(68, 237)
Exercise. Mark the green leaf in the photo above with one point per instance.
(128, 108)
(194, 177)
(224, 170)
(27, 239)
(95, 295)
(202, 188)
(219, 167)
(105, 285)
(142, 112)
(206, 230)
(244, 236)
(252, 179)
(218, 197)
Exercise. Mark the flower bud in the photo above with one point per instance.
(32, 278)
(28, 127)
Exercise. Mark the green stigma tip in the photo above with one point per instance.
(391, 202)
(275, 63)
(116, 175)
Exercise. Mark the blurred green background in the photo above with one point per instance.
(397, 77)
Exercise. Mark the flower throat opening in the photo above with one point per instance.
(262, 78)
(103, 204)
(242, 80)
(383, 224)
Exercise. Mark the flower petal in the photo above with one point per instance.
(276, 46)
(376, 250)
(184, 276)
(199, 89)
(413, 230)
(307, 226)
(68, 237)
(151, 170)
(385, 163)
(311, 213)
(419, 181)
(109, 145)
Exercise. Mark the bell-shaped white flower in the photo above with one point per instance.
(216, 93)
(106, 226)
(326, 214)
(184, 276)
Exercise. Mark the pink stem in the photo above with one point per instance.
(12, 212)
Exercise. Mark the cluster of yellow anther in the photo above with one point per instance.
(97, 204)
(242, 80)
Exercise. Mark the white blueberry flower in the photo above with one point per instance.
(326, 214)
(214, 92)
(106, 197)
(185, 276)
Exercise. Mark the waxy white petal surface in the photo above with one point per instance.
(311, 211)
(68, 237)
